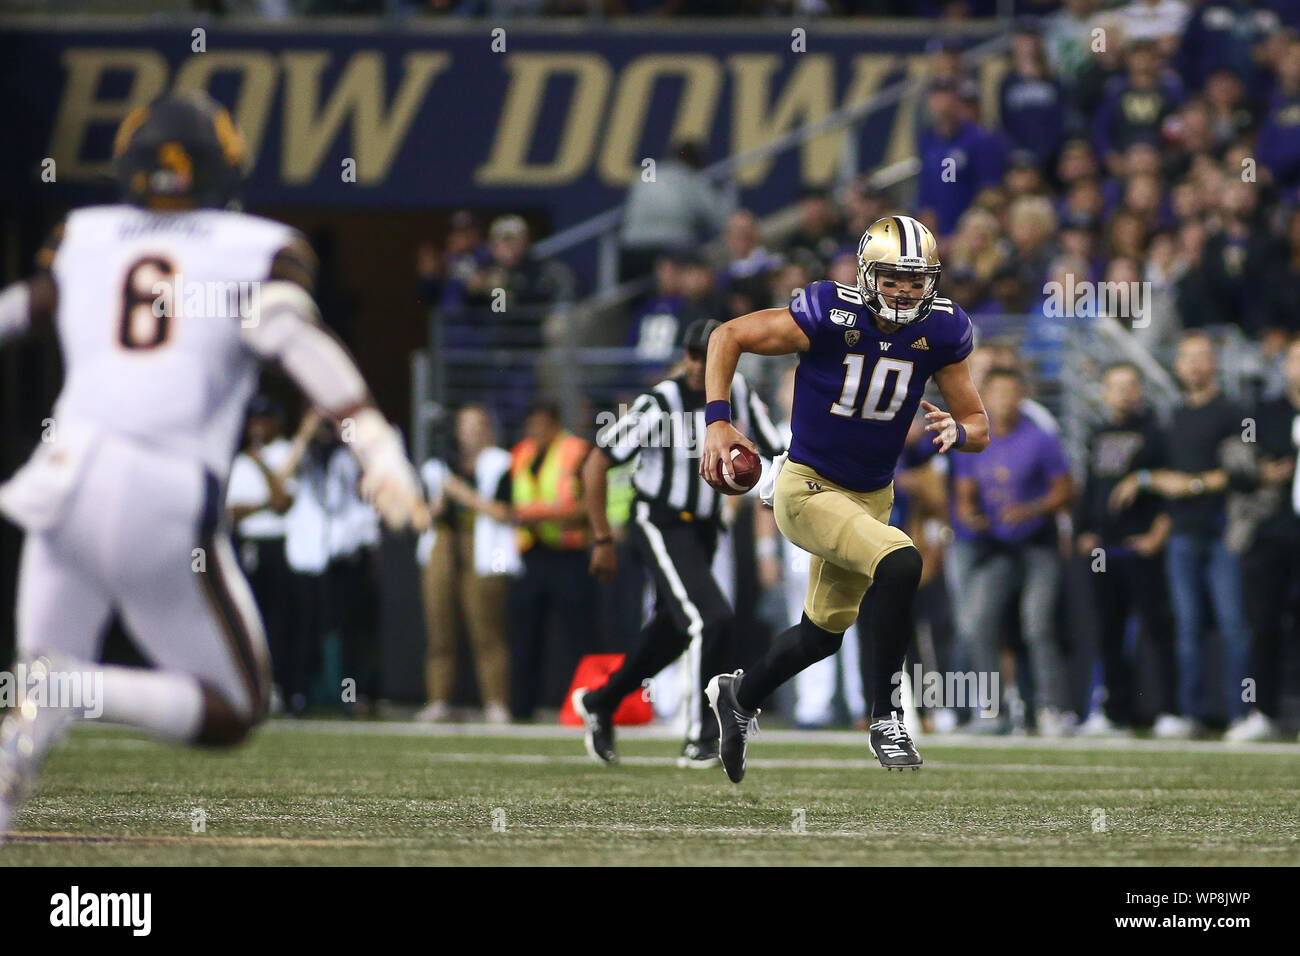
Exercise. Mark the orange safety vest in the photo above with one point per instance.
(556, 482)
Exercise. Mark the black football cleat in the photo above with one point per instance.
(598, 730)
(736, 723)
(892, 745)
(699, 755)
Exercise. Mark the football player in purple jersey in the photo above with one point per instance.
(865, 355)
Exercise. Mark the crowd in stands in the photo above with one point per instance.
(1167, 155)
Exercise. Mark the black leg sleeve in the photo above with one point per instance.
(893, 591)
(796, 648)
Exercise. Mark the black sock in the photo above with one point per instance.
(892, 591)
(658, 645)
(791, 652)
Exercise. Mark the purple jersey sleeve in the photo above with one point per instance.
(963, 335)
(808, 306)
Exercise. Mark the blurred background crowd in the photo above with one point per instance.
(1134, 565)
(1126, 556)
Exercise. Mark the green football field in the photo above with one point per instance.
(315, 792)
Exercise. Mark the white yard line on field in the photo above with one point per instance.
(775, 763)
(822, 737)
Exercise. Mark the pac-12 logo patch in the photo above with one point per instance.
(851, 337)
(843, 317)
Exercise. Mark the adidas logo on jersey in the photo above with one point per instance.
(921, 344)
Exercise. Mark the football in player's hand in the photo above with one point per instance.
(746, 469)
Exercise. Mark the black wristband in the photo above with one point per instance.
(961, 435)
(597, 542)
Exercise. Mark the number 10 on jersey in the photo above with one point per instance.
(900, 370)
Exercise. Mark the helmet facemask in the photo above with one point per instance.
(884, 284)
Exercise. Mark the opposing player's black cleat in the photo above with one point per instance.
(892, 745)
(737, 723)
(598, 728)
(699, 755)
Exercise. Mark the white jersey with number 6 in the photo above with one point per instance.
(153, 318)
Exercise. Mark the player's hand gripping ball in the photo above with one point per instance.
(746, 469)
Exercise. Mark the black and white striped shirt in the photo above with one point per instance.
(664, 431)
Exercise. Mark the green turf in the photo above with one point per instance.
(304, 795)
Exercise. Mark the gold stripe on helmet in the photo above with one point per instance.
(232, 144)
(133, 121)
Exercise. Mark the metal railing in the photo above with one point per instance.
(506, 361)
(1092, 344)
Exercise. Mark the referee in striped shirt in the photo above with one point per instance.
(674, 529)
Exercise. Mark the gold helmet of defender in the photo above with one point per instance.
(898, 269)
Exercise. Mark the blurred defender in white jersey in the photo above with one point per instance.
(164, 307)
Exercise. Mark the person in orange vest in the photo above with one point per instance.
(555, 592)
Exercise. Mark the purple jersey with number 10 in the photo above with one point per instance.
(857, 389)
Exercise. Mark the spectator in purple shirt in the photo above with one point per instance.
(657, 326)
(1279, 139)
(958, 159)
(1010, 495)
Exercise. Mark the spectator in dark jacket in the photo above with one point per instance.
(1135, 107)
(1283, 288)
(1239, 262)
(1031, 100)
(819, 227)
(1271, 564)
(1222, 36)
(525, 280)
(1123, 548)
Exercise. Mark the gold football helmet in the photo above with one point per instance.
(898, 269)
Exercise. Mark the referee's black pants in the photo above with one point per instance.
(691, 615)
